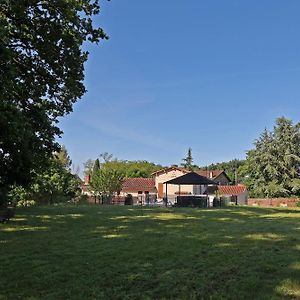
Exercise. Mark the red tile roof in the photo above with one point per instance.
(138, 184)
(232, 190)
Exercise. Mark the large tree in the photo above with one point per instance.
(105, 182)
(41, 76)
(273, 167)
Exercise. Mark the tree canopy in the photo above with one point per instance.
(41, 75)
(129, 168)
(273, 167)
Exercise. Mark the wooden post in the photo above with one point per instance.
(166, 195)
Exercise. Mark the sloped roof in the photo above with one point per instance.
(170, 169)
(212, 174)
(138, 184)
(191, 178)
(232, 190)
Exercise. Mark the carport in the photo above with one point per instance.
(191, 178)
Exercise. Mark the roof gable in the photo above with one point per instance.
(169, 169)
(213, 174)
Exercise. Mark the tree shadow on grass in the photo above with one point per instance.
(125, 252)
(240, 253)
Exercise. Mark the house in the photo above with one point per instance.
(218, 176)
(144, 189)
(141, 189)
(166, 174)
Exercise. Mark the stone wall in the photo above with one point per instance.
(273, 202)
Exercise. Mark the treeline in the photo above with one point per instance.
(129, 168)
(271, 168)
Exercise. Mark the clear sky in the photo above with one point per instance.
(209, 75)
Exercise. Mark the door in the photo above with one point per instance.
(160, 190)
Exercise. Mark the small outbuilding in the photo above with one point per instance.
(238, 193)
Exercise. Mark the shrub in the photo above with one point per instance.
(26, 203)
(298, 204)
(82, 199)
(17, 194)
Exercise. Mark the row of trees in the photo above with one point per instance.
(129, 168)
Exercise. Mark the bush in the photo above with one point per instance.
(298, 204)
(82, 199)
(26, 203)
(17, 194)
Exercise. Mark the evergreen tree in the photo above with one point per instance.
(96, 166)
(273, 166)
(188, 161)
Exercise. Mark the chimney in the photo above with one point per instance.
(87, 179)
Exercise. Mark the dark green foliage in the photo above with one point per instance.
(272, 168)
(188, 161)
(130, 169)
(56, 184)
(96, 166)
(41, 75)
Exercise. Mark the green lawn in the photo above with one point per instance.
(103, 252)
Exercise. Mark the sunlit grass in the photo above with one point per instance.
(103, 252)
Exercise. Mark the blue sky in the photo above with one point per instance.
(209, 75)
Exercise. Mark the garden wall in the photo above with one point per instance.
(273, 202)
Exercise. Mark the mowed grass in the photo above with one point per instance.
(104, 252)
